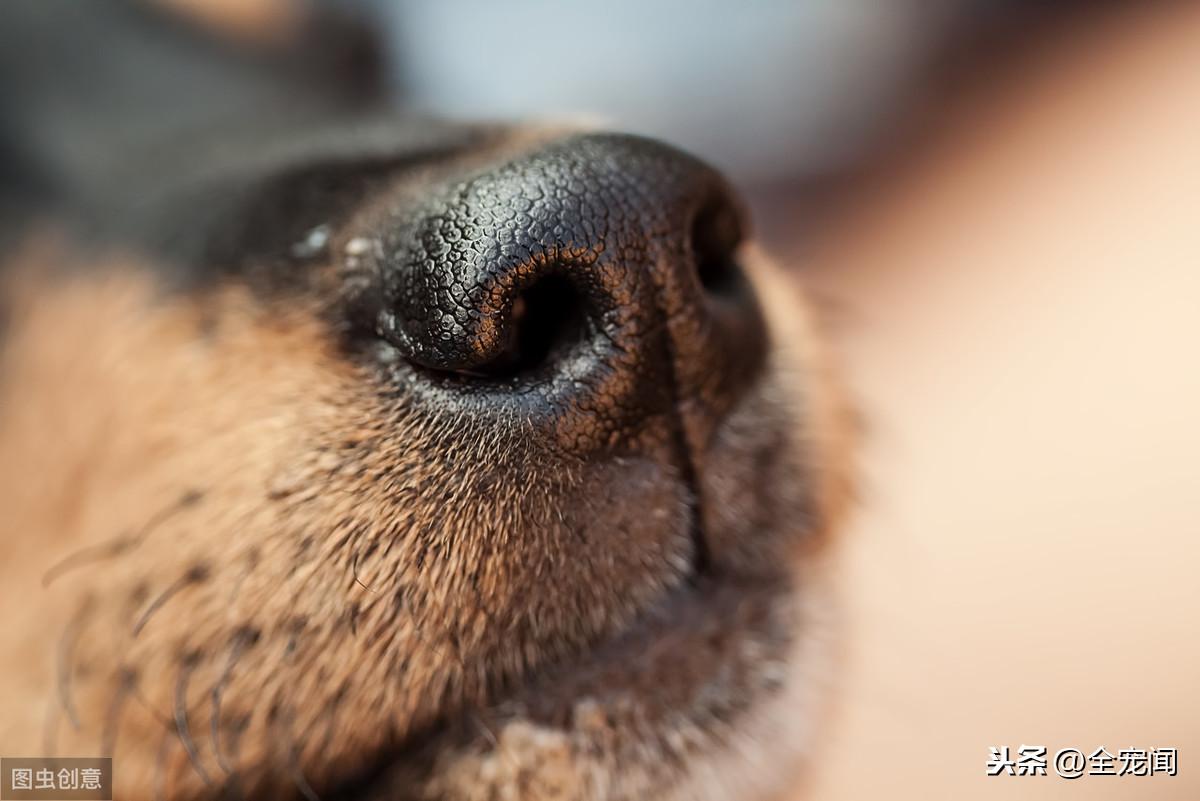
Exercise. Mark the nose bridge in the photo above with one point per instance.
(570, 272)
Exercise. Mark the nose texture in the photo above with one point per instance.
(593, 280)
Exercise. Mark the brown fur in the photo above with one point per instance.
(238, 563)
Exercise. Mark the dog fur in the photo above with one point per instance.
(244, 563)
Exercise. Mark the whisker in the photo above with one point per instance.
(119, 545)
(194, 575)
(284, 717)
(234, 745)
(354, 570)
(298, 779)
(66, 649)
(242, 640)
(191, 661)
(92, 553)
(293, 757)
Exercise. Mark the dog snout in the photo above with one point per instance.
(596, 276)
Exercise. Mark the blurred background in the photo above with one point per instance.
(996, 206)
(782, 89)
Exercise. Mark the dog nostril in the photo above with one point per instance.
(547, 319)
(715, 236)
(590, 285)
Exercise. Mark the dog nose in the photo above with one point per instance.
(595, 278)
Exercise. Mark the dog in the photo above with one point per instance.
(353, 455)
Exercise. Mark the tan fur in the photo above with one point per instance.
(205, 500)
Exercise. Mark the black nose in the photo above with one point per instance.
(594, 281)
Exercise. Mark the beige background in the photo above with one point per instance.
(1017, 301)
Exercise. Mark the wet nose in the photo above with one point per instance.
(595, 280)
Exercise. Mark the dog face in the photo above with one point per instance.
(364, 457)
